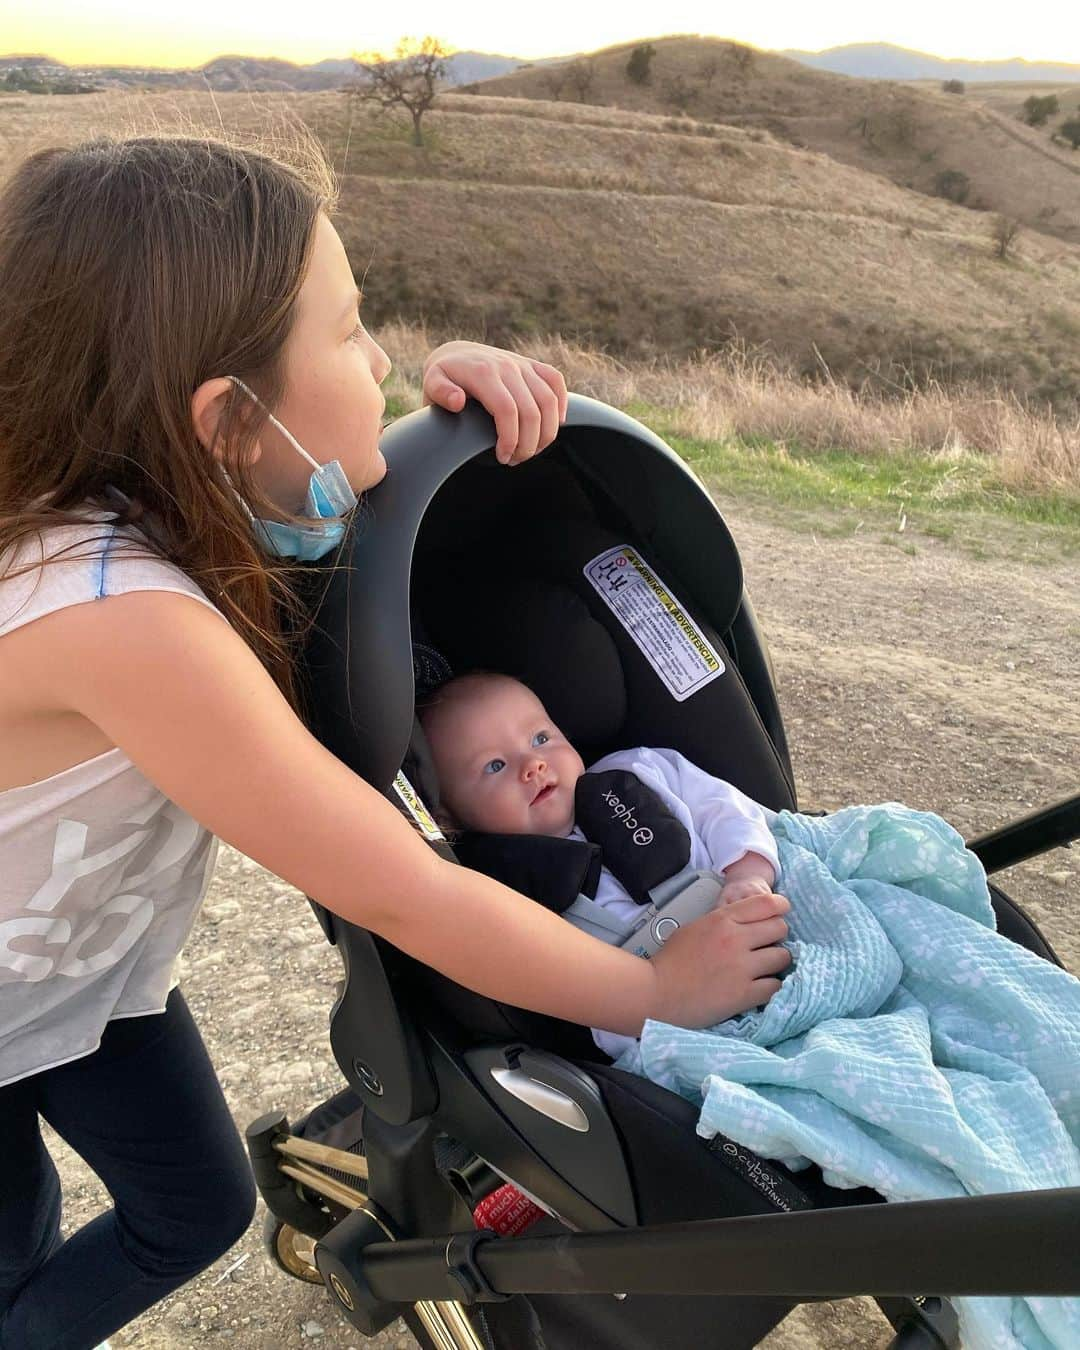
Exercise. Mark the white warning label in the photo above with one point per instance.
(416, 808)
(653, 617)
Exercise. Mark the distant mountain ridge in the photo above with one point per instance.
(866, 60)
(229, 72)
(883, 61)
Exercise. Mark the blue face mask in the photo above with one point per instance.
(329, 497)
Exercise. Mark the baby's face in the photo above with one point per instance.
(503, 765)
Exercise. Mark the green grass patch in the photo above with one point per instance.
(959, 500)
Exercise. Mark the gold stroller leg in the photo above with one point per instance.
(444, 1322)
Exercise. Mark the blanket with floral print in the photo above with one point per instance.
(911, 1048)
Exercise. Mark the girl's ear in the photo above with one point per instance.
(208, 404)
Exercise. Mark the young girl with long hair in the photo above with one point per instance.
(188, 404)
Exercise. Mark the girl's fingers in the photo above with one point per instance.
(770, 960)
(493, 395)
(519, 435)
(441, 390)
(751, 908)
(554, 380)
(768, 931)
(547, 402)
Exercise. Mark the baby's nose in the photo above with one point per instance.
(533, 767)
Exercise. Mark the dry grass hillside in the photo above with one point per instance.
(910, 133)
(641, 233)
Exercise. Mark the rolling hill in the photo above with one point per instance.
(642, 233)
(909, 134)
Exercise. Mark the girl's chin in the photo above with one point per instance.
(374, 473)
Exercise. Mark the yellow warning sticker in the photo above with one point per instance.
(654, 618)
(410, 799)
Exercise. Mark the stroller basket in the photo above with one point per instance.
(451, 1095)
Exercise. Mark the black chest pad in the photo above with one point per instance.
(642, 841)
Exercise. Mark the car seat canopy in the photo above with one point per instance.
(487, 567)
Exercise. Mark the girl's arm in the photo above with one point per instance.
(182, 695)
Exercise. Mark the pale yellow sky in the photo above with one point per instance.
(189, 34)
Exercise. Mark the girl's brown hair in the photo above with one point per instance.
(131, 271)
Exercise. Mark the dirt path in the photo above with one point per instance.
(935, 679)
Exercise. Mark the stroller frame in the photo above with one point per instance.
(392, 1228)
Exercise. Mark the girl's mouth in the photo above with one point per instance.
(544, 793)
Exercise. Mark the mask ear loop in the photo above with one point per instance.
(283, 429)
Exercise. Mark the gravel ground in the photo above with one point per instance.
(929, 677)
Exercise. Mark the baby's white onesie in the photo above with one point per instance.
(723, 824)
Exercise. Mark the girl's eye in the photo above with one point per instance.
(495, 766)
(541, 738)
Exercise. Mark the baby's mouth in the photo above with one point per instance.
(544, 793)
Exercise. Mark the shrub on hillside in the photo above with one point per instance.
(1070, 131)
(952, 184)
(1037, 110)
(637, 67)
(953, 86)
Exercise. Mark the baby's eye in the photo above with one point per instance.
(495, 766)
(357, 333)
(541, 738)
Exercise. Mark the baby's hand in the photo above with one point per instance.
(526, 398)
(742, 887)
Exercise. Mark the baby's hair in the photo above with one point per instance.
(131, 271)
(427, 707)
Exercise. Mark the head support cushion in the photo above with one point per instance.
(541, 633)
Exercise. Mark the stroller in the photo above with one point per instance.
(382, 1191)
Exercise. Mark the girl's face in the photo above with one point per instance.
(333, 370)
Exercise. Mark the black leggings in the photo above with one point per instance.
(146, 1112)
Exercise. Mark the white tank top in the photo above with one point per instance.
(101, 876)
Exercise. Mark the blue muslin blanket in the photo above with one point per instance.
(910, 1047)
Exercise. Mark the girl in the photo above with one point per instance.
(158, 298)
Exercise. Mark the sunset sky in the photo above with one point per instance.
(130, 32)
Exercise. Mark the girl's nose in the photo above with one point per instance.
(533, 767)
(383, 365)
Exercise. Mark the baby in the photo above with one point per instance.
(504, 767)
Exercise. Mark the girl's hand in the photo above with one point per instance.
(724, 963)
(526, 398)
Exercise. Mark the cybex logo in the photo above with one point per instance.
(622, 812)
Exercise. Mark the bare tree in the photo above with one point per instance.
(554, 79)
(743, 57)
(1004, 231)
(582, 76)
(409, 79)
(709, 68)
(678, 92)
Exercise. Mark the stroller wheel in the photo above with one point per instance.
(291, 1251)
